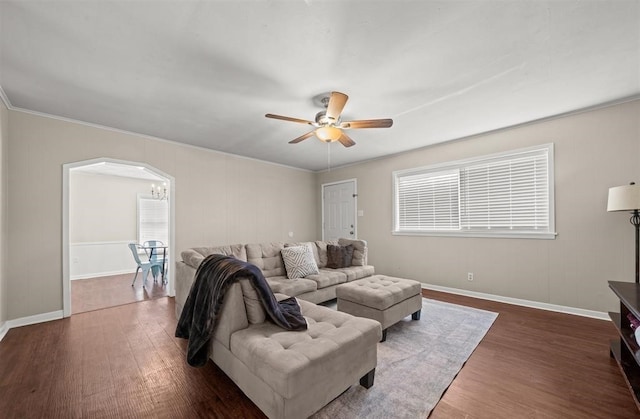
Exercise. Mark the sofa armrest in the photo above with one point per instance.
(192, 258)
(184, 277)
(232, 316)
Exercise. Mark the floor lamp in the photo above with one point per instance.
(627, 198)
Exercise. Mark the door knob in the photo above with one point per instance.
(351, 232)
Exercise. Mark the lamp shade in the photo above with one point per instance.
(328, 133)
(624, 198)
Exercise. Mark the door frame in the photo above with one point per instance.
(355, 203)
(66, 263)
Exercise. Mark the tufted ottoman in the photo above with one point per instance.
(382, 298)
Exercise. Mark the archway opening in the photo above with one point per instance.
(92, 203)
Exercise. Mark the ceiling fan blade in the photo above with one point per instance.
(302, 137)
(346, 141)
(288, 118)
(336, 105)
(367, 123)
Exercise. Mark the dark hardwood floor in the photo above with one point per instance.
(109, 291)
(124, 362)
(537, 364)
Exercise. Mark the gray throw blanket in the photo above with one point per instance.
(213, 277)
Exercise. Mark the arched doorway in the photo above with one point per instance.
(107, 166)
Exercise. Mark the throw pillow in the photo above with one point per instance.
(339, 256)
(299, 261)
(359, 250)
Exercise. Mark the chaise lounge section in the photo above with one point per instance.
(292, 374)
(288, 374)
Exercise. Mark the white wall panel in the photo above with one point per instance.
(95, 259)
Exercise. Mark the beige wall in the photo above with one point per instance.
(4, 141)
(593, 151)
(220, 199)
(104, 208)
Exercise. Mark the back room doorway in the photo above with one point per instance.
(105, 207)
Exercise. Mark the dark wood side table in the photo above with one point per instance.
(626, 350)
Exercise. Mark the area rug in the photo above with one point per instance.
(416, 364)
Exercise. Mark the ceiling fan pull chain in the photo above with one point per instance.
(328, 156)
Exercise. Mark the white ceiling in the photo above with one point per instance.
(205, 72)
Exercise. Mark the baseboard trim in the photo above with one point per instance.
(26, 321)
(101, 274)
(520, 302)
(3, 330)
(56, 315)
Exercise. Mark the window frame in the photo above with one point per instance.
(140, 199)
(550, 233)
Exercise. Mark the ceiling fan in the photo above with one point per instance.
(328, 125)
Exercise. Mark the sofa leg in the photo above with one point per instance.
(367, 380)
(416, 315)
(384, 335)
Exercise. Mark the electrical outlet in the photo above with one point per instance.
(470, 276)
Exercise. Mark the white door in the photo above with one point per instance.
(339, 210)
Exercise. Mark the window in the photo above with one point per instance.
(504, 195)
(153, 219)
(429, 201)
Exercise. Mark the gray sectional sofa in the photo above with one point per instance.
(288, 374)
(267, 256)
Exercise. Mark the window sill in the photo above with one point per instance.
(479, 234)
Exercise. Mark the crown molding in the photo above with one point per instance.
(5, 99)
(615, 102)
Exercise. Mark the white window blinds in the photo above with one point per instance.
(153, 220)
(509, 193)
(428, 201)
(505, 195)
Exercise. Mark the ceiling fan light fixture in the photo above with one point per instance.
(328, 134)
(322, 119)
(329, 124)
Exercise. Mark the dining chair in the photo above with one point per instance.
(145, 266)
(154, 256)
(152, 243)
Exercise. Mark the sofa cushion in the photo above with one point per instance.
(291, 287)
(267, 257)
(328, 277)
(359, 251)
(357, 272)
(299, 261)
(193, 257)
(291, 360)
(339, 256)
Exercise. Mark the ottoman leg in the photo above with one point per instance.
(384, 335)
(416, 315)
(367, 380)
